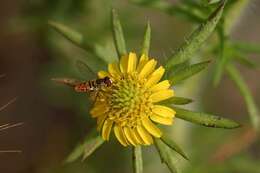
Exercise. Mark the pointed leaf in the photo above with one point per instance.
(223, 56)
(170, 143)
(147, 40)
(243, 60)
(188, 72)
(118, 35)
(166, 155)
(95, 61)
(247, 47)
(179, 10)
(213, 1)
(176, 68)
(195, 41)
(72, 35)
(137, 159)
(205, 119)
(177, 101)
(85, 149)
(245, 92)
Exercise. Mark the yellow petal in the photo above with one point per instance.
(129, 136)
(162, 120)
(143, 60)
(137, 136)
(102, 74)
(148, 68)
(98, 109)
(151, 128)
(120, 135)
(113, 69)
(164, 85)
(100, 121)
(123, 63)
(146, 137)
(132, 60)
(162, 95)
(106, 129)
(155, 77)
(163, 111)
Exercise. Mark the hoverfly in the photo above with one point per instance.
(86, 86)
(91, 86)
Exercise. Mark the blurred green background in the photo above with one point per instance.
(56, 119)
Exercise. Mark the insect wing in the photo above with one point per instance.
(84, 69)
(67, 81)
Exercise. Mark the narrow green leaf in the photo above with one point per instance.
(72, 35)
(247, 47)
(243, 60)
(176, 68)
(166, 155)
(179, 10)
(188, 72)
(177, 101)
(244, 90)
(223, 56)
(118, 35)
(137, 159)
(195, 41)
(147, 40)
(94, 61)
(85, 149)
(170, 143)
(213, 1)
(205, 119)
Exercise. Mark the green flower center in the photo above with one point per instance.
(129, 101)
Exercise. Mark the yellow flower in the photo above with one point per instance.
(130, 107)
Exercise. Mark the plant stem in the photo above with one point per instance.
(245, 92)
(137, 159)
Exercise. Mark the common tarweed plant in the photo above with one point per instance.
(141, 95)
(227, 51)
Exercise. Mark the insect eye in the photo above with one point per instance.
(107, 80)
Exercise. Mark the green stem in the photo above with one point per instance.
(137, 159)
(234, 15)
(245, 92)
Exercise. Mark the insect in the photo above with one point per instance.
(86, 86)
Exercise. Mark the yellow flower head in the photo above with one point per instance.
(130, 106)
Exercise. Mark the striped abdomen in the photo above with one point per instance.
(86, 86)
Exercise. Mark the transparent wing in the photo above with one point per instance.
(84, 69)
(67, 81)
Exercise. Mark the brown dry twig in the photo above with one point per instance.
(235, 145)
